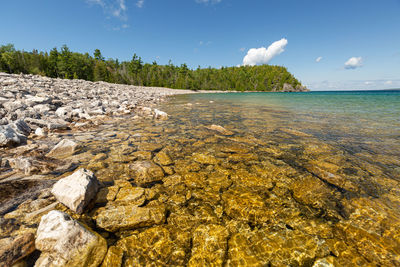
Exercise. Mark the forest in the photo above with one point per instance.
(63, 63)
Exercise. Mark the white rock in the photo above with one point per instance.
(63, 149)
(65, 242)
(64, 112)
(76, 190)
(40, 132)
(8, 136)
(158, 114)
(21, 127)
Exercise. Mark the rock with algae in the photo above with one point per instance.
(209, 245)
(63, 241)
(146, 172)
(115, 217)
(156, 246)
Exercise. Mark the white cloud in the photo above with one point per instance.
(353, 63)
(140, 3)
(212, 2)
(318, 59)
(262, 55)
(388, 82)
(115, 8)
(368, 83)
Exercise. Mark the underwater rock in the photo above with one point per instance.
(114, 217)
(242, 204)
(113, 257)
(145, 172)
(163, 159)
(63, 149)
(65, 242)
(154, 245)
(76, 190)
(219, 129)
(209, 245)
(204, 158)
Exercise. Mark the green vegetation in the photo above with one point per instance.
(72, 65)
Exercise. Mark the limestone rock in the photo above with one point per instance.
(63, 149)
(242, 204)
(76, 190)
(115, 217)
(17, 249)
(145, 172)
(209, 245)
(162, 158)
(219, 129)
(158, 114)
(21, 127)
(8, 136)
(65, 242)
(113, 257)
(204, 158)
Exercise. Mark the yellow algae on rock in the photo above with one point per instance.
(209, 245)
(242, 204)
(114, 217)
(204, 158)
(113, 257)
(162, 158)
(154, 245)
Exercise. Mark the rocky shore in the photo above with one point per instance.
(36, 114)
(45, 104)
(214, 183)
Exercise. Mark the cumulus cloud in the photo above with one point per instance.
(353, 63)
(262, 55)
(212, 2)
(318, 59)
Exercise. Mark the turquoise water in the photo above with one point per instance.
(377, 111)
(361, 124)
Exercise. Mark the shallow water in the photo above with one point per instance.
(297, 179)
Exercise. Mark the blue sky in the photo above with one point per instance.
(365, 34)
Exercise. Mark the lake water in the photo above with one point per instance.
(250, 179)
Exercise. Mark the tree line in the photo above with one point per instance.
(63, 63)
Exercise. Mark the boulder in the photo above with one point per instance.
(145, 172)
(158, 114)
(114, 218)
(63, 149)
(9, 137)
(162, 158)
(76, 190)
(65, 242)
(21, 127)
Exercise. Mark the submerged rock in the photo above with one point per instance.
(145, 172)
(158, 114)
(76, 190)
(220, 129)
(65, 242)
(209, 245)
(114, 217)
(63, 149)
